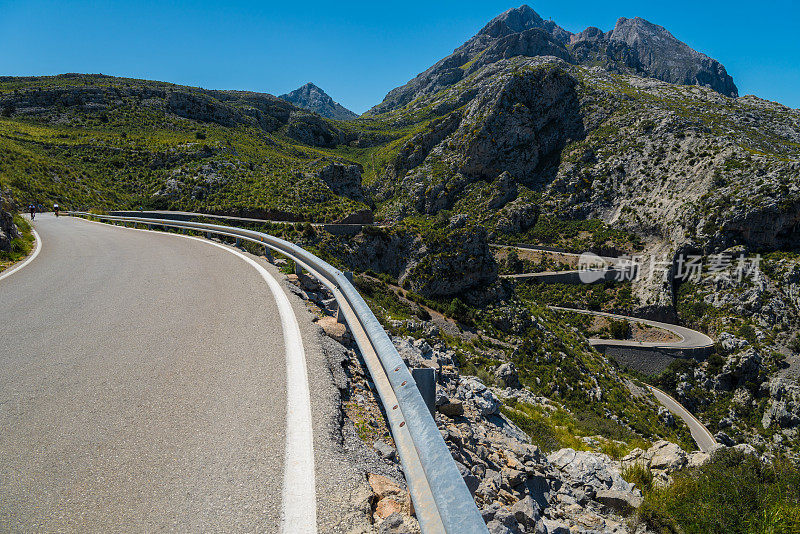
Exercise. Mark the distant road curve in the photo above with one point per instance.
(702, 436)
(616, 269)
(689, 340)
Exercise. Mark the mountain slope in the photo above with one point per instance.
(634, 46)
(315, 99)
(100, 141)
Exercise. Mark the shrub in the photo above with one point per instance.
(459, 311)
(748, 332)
(733, 493)
(640, 475)
(619, 329)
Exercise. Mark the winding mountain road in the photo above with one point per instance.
(689, 340)
(150, 381)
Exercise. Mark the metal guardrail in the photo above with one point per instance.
(442, 501)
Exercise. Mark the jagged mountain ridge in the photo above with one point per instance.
(314, 99)
(633, 46)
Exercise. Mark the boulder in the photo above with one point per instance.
(507, 374)
(384, 450)
(527, 512)
(473, 390)
(667, 457)
(591, 469)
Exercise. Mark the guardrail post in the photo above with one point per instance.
(268, 254)
(297, 269)
(238, 242)
(339, 315)
(425, 377)
(348, 275)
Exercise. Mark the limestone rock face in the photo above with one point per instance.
(784, 405)
(343, 179)
(651, 50)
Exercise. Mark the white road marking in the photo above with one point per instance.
(299, 500)
(9, 272)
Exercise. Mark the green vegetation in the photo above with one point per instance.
(619, 329)
(162, 146)
(733, 493)
(578, 236)
(556, 429)
(605, 296)
(640, 475)
(20, 246)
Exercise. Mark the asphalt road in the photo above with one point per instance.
(143, 388)
(704, 439)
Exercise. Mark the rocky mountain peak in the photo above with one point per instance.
(634, 46)
(520, 19)
(652, 50)
(311, 97)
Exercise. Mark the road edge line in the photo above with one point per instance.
(299, 501)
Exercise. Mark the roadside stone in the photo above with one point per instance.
(471, 480)
(391, 505)
(555, 527)
(334, 329)
(496, 527)
(527, 512)
(383, 487)
(394, 524)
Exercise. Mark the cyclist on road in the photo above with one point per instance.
(55, 209)
(32, 209)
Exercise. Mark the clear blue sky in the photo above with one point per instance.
(358, 51)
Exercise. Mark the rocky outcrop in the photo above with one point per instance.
(461, 261)
(783, 410)
(312, 129)
(342, 179)
(314, 99)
